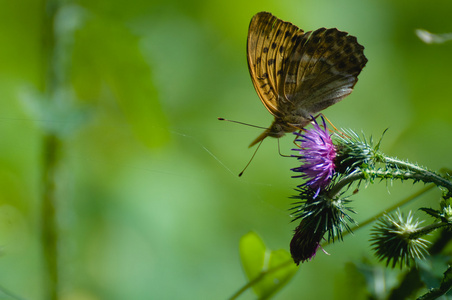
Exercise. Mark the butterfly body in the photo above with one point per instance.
(297, 74)
(280, 127)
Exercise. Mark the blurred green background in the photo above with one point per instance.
(149, 204)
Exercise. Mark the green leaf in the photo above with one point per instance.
(432, 212)
(446, 285)
(268, 271)
(363, 280)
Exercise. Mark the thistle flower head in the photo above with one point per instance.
(305, 242)
(316, 154)
(319, 215)
(397, 239)
(354, 151)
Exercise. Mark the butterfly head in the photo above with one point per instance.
(276, 130)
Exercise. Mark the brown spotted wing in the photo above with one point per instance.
(297, 74)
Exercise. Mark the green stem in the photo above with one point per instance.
(336, 189)
(260, 277)
(50, 159)
(412, 172)
(49, 231)
(427, 176)
(426, 230)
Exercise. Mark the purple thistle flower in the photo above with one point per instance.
(317, 154)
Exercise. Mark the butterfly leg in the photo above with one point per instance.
(279, 151)
(295, 139)
(323, 116)
(337, 130)
(299, 129)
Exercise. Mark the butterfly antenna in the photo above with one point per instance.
(223, 119)
(241, 173)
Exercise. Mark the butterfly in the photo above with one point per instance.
(297, 74)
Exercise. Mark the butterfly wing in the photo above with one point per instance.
(298, 74)
(270, 41)
(322, 69)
